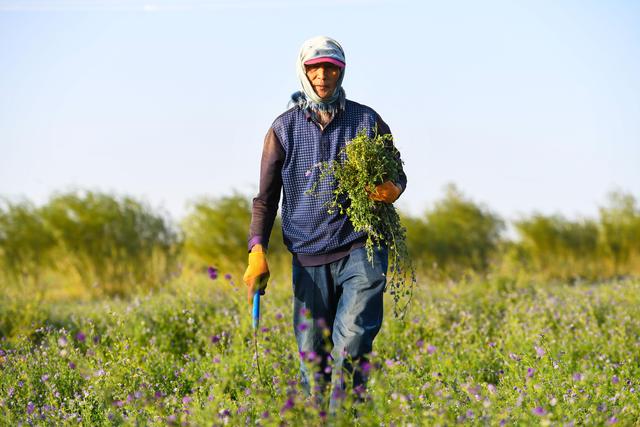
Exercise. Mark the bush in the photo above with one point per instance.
(26, 243)
(454, 237)
(557, 247)
(113, 245)
(620, 233)
(116, 243)
(216, 233)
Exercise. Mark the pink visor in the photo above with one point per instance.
(325, 59)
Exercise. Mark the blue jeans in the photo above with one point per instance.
(337, 312)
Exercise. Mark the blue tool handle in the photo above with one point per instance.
(256, 309)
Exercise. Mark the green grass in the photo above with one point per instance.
(478, 353)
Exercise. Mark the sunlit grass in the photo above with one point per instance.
(483, 352)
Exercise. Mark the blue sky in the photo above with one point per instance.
(526, 106)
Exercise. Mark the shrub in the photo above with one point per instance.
(455, 236)
(26, 242)
(557, 247)
(216, 232)
(620, 233)
(116, 244)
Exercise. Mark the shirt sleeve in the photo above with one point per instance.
(383, 129)
(265, 204)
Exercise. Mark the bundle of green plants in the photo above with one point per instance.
(365, 162)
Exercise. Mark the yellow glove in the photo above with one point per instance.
(257, 273)
(387, 192)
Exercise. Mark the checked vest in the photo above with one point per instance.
(307, 227)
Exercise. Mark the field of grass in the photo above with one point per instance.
(483, 352)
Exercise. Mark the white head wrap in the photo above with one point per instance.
(320, 47)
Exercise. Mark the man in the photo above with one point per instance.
(337, 291)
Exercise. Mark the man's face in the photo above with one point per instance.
(324, 78)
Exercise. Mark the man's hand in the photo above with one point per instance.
(257, 273)
(387, 192)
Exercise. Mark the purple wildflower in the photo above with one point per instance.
(118, 403)
(264, 329)
(615, 379)
(612, 420)
(80, 336)
(530, 372)
(431, 348)
(44, 378)
(264, 415)
(215, 339)
(96, 339)
(514, 356)
(288, 405)
(62, 341)
(539, 411)
(577, 376)
(474, 391)
(279, 316)
(227, 276)
(338, 393)
(366, 367)
(420, 343)
(539, 351)
(186, 400)
(213, 272)
(30, 408)
(492, 344)
(2, 353)
(303, 327)
(469, 413)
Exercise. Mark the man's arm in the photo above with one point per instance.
(383, 129)
(265, 204)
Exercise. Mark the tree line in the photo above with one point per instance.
(114, 244)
